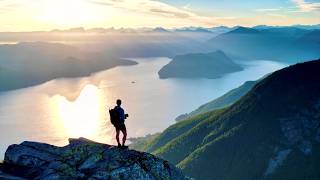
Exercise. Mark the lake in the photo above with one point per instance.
(78, 107)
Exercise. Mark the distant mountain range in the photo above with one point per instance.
(272, 132)
(195, 29)
(182, 29)
(268, 42)
(315, 26)
(125, 43)
(199, 65)
(289, 44)
(148, 30)
(27, 64)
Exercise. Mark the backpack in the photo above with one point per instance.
(114, 116)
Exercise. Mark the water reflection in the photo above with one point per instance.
(70, 88)
(84, 117)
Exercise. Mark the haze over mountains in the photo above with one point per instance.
(289, 44)
(285, 44)
(151, 42)
(27, 64)
(270, 133)
(157, 42)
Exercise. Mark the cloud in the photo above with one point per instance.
(226, 18)
(187, 6)
(101, 3)
(307, 6)
(268, 10)
(173, 13)
(23, 15)
(156, 8)
(7, 5)
(276, 15)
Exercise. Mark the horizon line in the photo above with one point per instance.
(84, 29)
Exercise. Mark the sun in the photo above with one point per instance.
(69, 13)
(85, 116)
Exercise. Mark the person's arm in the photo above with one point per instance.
(122, 114)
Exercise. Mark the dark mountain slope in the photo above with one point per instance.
(275, 43)
(313, 36)
(245, 42)
(310, 40)
(287, 31)
(273, 132)
(244, 30)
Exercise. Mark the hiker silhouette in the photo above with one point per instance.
(117, 117)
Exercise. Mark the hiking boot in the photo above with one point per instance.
(124, 147)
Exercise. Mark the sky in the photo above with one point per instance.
(36, 15)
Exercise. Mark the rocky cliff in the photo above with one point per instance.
(82, 159)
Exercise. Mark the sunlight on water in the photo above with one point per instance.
(85, 117)
(78, 107)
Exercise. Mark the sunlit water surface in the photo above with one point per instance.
(63, 108)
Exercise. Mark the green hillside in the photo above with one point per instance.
(145, 143)
(142, 143)
(273, 132)
(222, 101)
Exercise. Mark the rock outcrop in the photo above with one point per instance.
(83, 159)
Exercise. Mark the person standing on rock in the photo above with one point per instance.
(118, 117)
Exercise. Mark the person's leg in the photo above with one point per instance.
(124, 131)
(117, 136)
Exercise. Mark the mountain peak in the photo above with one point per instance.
(160, 29)
(83, 159)
(245, 30)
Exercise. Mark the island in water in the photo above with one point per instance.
(199, 65)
